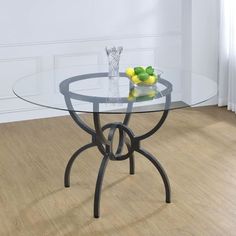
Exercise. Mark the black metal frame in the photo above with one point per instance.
(105, 145)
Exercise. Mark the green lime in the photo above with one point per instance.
(143, 76)
(138, 70)
(143, 98)
(150, 70)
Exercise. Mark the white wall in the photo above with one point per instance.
(205, 39)
(42, 35)
(205, 34)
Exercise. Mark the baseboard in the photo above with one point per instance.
(46, 113)
(211, 102)
(30, 115)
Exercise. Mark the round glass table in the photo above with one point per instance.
(89, 89)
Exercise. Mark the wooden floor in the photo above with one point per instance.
(197, 147)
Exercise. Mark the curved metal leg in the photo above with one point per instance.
(98, 188)
(131, 164)
(162, 172)
(71, 161)
(131, 160)
(161, 121)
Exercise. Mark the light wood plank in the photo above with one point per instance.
(197, 147)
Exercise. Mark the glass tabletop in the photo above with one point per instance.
(89, 89)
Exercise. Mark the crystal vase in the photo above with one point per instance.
(113, 55)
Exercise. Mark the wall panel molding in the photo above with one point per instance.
(94, 39)
(143, 50)
(76, 59)
(36, 67)
(94, 58)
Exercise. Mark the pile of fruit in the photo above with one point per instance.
(142, 76)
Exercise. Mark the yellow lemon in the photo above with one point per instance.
(134, 93)
(130, 72)
(135, 79)
(152, 93)
(151, 80)
(130, 98)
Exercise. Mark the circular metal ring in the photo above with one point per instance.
(65, 88)
(122, 131)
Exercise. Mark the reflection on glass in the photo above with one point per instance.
(113, 90)
(142, 93)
